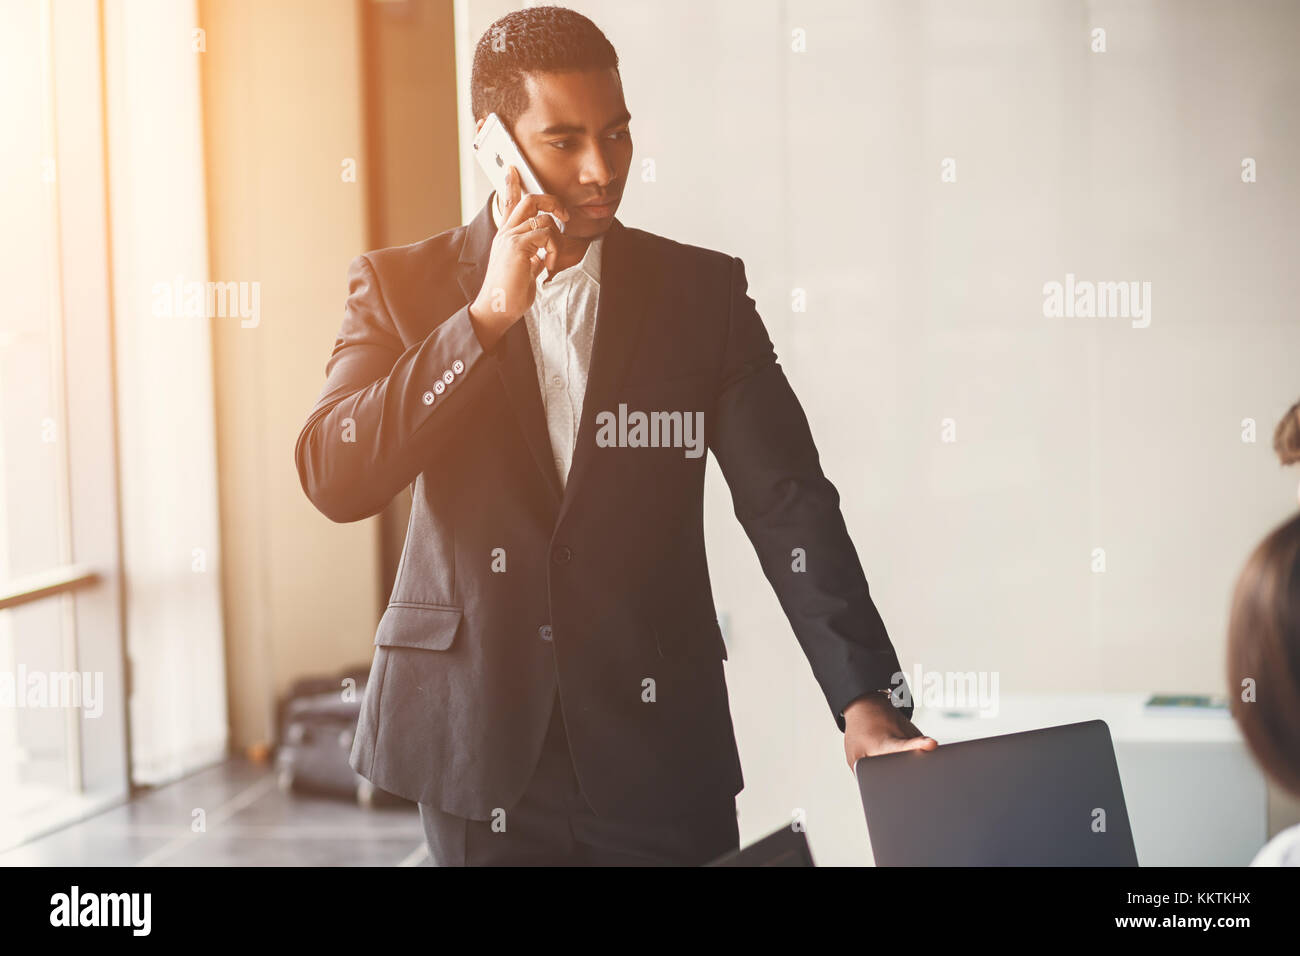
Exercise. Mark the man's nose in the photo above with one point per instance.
(596, 169)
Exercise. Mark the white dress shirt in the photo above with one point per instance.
(1282, 850)
(561, 329)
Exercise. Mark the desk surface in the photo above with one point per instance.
(1125, 714)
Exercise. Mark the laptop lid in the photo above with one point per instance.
(784, 847)
(1048, 797)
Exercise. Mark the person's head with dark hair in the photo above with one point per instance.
(1264, 654)
(1264, 637)
(552, 77)
(532, 40)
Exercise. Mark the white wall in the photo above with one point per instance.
(821, 170)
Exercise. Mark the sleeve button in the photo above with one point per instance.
(458, 366)
(428, 398)
(439, 387)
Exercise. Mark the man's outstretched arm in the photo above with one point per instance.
(791, 513)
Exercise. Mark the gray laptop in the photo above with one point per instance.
(1038, 798)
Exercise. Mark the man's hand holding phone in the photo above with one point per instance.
(510, 284)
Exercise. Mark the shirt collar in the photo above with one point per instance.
(590, 263)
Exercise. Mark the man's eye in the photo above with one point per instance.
(565, 143)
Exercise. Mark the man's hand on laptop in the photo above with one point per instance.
(874, 726)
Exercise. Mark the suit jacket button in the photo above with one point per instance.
(428, 398)
(448, 376)
(458, 366)
(439, 387)
(562, 555)
(544, 632)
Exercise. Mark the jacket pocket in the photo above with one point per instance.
(430, 627)
(690, 639)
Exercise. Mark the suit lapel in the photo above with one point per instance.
(620, 313)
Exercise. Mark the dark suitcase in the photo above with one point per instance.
(316, 686)
(317, 729)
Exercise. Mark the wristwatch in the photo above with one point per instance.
(888, 692)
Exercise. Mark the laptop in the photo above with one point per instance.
(784, 847)
(1049, 797)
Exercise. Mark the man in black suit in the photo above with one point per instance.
(548, 681)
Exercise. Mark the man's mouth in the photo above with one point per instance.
(598, 210)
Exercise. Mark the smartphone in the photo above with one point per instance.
(496, 150)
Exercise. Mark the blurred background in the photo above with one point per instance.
(1062, 502)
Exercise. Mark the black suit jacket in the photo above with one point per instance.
(509, 588)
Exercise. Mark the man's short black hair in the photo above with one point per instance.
(532, 40)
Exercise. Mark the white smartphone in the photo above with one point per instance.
(496, 150)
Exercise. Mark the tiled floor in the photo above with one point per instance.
(248, 822)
